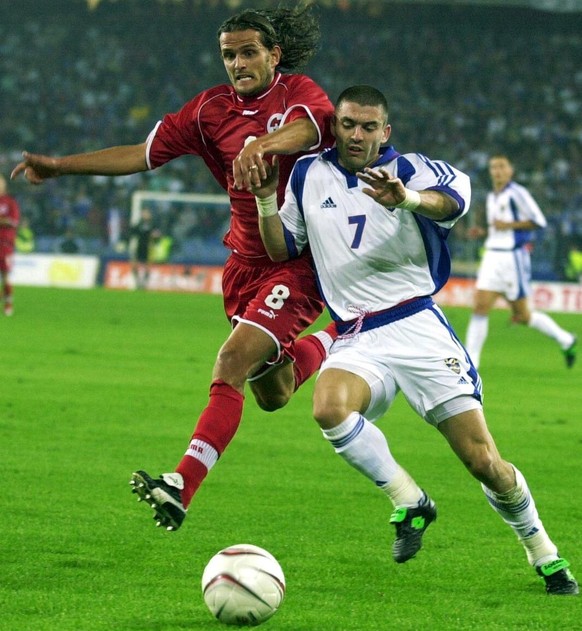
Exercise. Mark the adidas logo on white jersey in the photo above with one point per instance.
(328, 203)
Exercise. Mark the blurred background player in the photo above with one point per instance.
(69, 244)
(9, 219)
(141, 241)
(573, 265)
(25, 240)
(377, 223)
(264, 111)
(505, 270)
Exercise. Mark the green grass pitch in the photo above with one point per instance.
(98, 383)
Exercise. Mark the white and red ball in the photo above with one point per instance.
(243, 585)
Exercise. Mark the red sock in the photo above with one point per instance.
(216, 427)
(309, 355)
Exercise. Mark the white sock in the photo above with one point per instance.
(476, 336)
(518, 510)
(403, 490)
(364, 447)
(544, 324)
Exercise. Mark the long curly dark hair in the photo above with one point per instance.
(295, 30)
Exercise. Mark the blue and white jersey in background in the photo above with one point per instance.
(366, 256)
(513, 203)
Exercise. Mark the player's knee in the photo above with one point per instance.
(231, 367)
(328, 413)
(272, 394)
(273, 390)
(272, 401)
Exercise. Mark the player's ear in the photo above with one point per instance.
(332, 124)
(276, 55)
(387, 132)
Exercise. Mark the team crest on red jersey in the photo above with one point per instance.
(274, 122)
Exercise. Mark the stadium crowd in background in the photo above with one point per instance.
(508, 80)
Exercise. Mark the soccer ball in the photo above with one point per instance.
(243, 585)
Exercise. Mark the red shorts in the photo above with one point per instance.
(6, 251)
(280, 298)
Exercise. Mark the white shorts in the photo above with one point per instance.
(506, 272)
(420, 355)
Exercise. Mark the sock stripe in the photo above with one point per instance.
(342, 441)
(508, 508)
(202, 451)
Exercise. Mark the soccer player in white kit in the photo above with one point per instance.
(376, 222)
(512, 216)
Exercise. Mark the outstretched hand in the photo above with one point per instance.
(248, 168)
(385, 189)
(268, 184)
(36, 168)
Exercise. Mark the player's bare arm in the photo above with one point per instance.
(391, 192)
(121, 160)
(271, 229)
(514, 225)
(270, 224)
(249, 167)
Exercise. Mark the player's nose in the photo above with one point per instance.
(239, 62)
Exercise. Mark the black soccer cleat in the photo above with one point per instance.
(570, 353)
(410, 525)
(163, 495)
(558, 578)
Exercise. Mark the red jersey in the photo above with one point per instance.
(214, 126)
(10, 211)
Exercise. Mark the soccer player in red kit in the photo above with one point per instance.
(235, 128)
(9, 218)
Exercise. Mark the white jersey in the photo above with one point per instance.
(369, 258)
(513, 203)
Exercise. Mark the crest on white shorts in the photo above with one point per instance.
(453, 364)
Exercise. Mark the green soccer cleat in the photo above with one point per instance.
(410, 525)
(163, 495)
(558, 578)
(570, 353)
